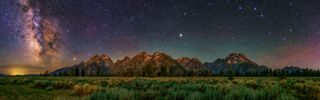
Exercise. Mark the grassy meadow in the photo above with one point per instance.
(159, 88)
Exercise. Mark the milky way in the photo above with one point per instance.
(41, 34)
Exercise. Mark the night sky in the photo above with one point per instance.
(275, 33)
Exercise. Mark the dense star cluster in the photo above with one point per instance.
(272, 32)
(40, 34)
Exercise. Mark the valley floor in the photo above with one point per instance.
(163, 88)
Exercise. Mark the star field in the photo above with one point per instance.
(270, 32)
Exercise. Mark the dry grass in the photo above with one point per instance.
(172, 88)
(85, 89)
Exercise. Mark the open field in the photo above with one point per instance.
(145, 88)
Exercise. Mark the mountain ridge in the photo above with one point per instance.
(162, 64)
(237, 62)
(98, 65)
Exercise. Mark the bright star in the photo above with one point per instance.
(261, 15)
(180, 35)
(240, 8)
(74, 58)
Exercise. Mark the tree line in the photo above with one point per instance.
(150, 72)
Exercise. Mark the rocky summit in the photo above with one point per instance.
(193, 66)
(144, 64)
(238, 63)
(98, 65)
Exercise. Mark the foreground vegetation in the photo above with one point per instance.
(163, 88)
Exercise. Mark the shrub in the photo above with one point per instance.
(100, 96)
(121, 93)
(195, 96)
(212, 94)
(102, 83)
(59, 85)
(224, 88)
(241, 93)
(282, 77)
(12, 81)
(307, 90)
(261, 84)
(85, 89)
(149, 95)
(252, 84)
(170, 88)
(42, 83)
(286, 96)
(113, 94)
(179, 95)
(274, 92)
(23, 80)
(290, 83)
(283, 83)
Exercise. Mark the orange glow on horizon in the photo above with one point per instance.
(17, 71)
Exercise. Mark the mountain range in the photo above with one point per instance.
(238, 63)
(161, 64)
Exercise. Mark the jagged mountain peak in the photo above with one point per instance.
(235, 58)
(143, 56)
(104, 56)
(189, 62)
(156, 62)
(160, 56)
(156, 56)
(96, 65)
(187, 59)
(125, 58)
(183, 59)
(234, 61)
(193, 66)
(100, 59)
